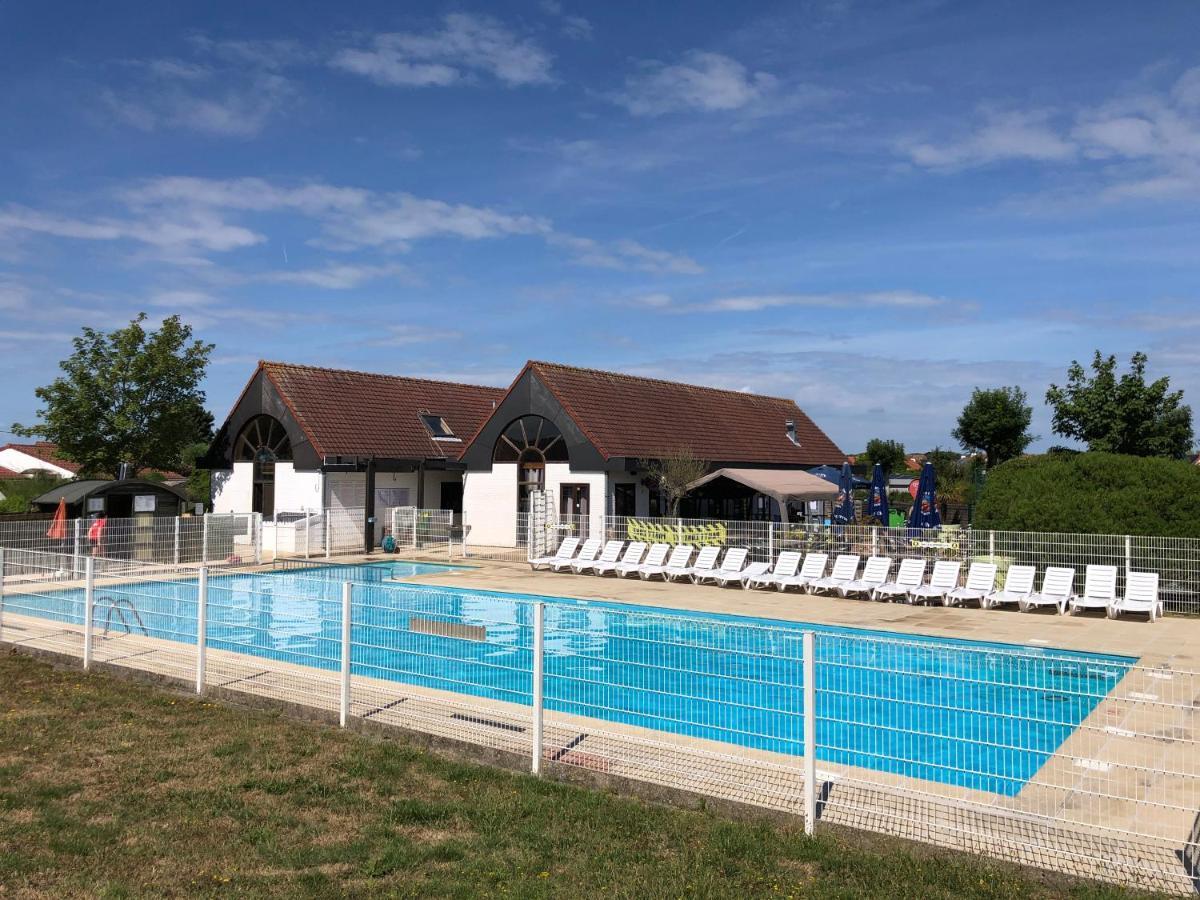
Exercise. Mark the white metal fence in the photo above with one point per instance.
(1074, 762)
(341, 531)
(213, 539)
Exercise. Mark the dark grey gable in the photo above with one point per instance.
(261, 398)
(529, 396)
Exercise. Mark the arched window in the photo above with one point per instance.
(263, 441)
(530, 442)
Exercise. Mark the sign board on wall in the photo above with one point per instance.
(144, 503)
(95, 504)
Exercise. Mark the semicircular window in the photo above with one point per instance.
(530, 439)
(263, 439)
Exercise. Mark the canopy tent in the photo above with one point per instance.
(781, 485)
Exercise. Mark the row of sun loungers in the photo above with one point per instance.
(808, 573)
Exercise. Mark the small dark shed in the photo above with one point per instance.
(128, 499)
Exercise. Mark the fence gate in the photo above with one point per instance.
(540, 526)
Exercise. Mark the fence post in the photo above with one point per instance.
(810, 732)
(1, 593)
(770, 542)
(874, 540)
(201, 628)
(1128, 555)
(328, 530)
(256, 528)
(89, 604)
(204, 540)
(992, 545)
(176, 554)
(78, 547)
(307, 530)
(539, 647)
(347, 594)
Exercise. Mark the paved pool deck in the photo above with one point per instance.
(1173, 642)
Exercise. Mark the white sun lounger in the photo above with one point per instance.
(610, 554)
(587, 553)
(734, 558)
(845, 567)
(812, 570)
(785, 567)
(1141, 596)
(631, 556)
(751, 571)
(981, 581)
(910, 576)
(678, 560)
(943, 581)
(874, 574)
(655, 557)
(1057, 585)
(565, 551)
(706, 561)
(1018, 584)
(1099, 589)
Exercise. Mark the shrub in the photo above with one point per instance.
(1093, 493)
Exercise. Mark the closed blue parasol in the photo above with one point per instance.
(877, 502)
(843, 506)
(925, 512)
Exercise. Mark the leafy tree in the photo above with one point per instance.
(673, 472)
(20, 492)
(1093, 493)
(131, 395)
(199, 481)
(995, 421)
(1121, 415)
(889, 454)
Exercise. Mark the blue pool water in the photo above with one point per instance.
(978, 715)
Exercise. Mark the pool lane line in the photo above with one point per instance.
(568, 747)
(380, 709)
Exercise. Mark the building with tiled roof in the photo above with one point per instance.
(587, 437)
(38, 458)
(304, 438)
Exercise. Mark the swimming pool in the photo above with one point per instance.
(978, 715)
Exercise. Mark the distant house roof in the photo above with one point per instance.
(7, 474)
(631, 416)
(45, 451)
(345, 413)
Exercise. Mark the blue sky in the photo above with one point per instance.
(869, 207)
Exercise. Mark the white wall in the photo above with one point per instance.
(233, 490)
(490, 506)
(294, 490)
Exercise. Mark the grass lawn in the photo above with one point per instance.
(114, 789)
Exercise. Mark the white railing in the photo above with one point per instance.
(213, 539)
(1080, 763)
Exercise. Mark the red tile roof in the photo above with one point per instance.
(8, 474)
(625, 415)
(46, 452)
(346, 413)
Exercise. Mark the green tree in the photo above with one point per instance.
(20, 492)
(889, 454)
(131, 395)
(1121, 415)
(199, 481)
(995, 421)
(673, 472)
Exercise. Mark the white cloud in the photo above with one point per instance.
(1149, 142)
(706, 81)
(901, 299)
(335, 277)
(185, 216)
(577, 28)
(465, 46)
(1001, 136)
(406, 335)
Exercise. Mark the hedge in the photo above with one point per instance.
(1092, 493)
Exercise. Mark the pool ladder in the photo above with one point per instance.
(116, 606)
